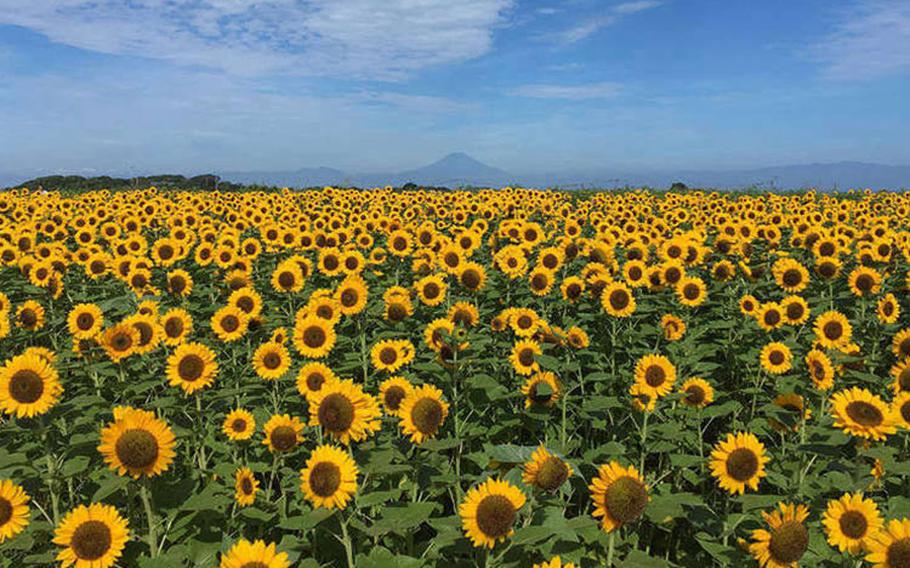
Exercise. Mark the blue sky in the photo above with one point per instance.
(371, 85)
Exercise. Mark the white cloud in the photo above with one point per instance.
(872, 40)
(378, 39)
(596, 23)
(568, 92)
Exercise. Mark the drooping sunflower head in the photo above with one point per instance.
(422, 413)
(738, 462)
(239, 424)
(258, 554)
(330, 478)
(191, 367)
(29, 386)
(282, 433)
(787, 539)
(546, 471)
(850, 521)
(344, 411)
(393, 391)
(137, 443)
(697, 393)
(92, 535)
(619, 495)
(489, 511)
(860, 413)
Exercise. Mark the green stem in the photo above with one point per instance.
(611, 548)
(145, 495)
(644, 437)
(348, 546)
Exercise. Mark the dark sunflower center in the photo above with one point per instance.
(85, 321)
(178, 284)
(431, 290)
(833, 330)
(789, 542)
(695, 395)
(691, 291)
(573, 290)
(349, 298)
(864, 413)
(286, 279)
(655, 376)
(238, 425)
(283, 438)
(776, 358)
(388, 355)
(91, 540)
(166, 252)
(272, 360)
(792, 277)
(888, 309)
(325, 479)
(625, 499)
(427, 415)
(145, 332)
(552, 474)
(526, 357)
(230, 323)
(539, 282)
(314, 381)
(190, 367)
(173, 327)
(393, 397)
(853, 524)
(246, 486)
(672, 275)
(772, 317)
(864, 282)
(6, 511)
(325, 312)
(795, 311)
(245, 303)
(495, 516)
(314, 337)
(137, 448)
(535, 395)
(336, 413)
(742, 464)
(139, 281)
(470, 279)
(28, 317)
(619, 299)
(748, 306)
(826, 248)
(26, 386)
(898, 554)
(904, 347)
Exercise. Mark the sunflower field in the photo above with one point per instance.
(494, 378)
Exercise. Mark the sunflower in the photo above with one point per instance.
(770, 316)
(29, 386)
(245, 486)
(392, 391)
(30, 316)
(258, 554)
(900, 345)
(271, 361)
(149, 331)
(540, 281)
(176, 324)
(572, 289)
(739, 462)
(523, 356)
(673, 327)
(864, 281)
(229, 323)
(691, 291)
(92, 536)
(833, 329)
(545, 471)
(698, 393)
(821, 371)
(796, 310)
(860, 413)
(248, 300)
(239, 425)
(191, 366)
(85, 321)
(617, 300)
(850, 521)
(344, 411)
(888, 310)
(776, 358)
(900, 409)
(352, 295)
(541, 389)
(796, 408)
(287, 277)
(489, 511)
(422, 413)
(314, 337)
(464, 314)
(330, 478)
(282, 433)
(524, 322)
(391, 354)
(312, 377)
(472, 276)
(619, 495)
(787, 540)
(431, 289)
(577, 338)
(890, 548)
(555, 562)
(13, 509)
(179, 283)
(655, 374)
(137, 443)
(790, 275)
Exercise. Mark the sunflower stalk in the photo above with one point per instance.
(145, 494)
(346, 539)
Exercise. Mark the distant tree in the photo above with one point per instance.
(678, 186)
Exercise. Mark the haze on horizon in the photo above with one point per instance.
(191, 86)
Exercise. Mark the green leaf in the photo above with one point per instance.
(401, 519)
(638, 559)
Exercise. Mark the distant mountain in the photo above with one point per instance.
(456, 170)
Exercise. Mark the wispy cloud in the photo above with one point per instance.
(568, 92)
(872, 40)
(602, 20)
(353, 38)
